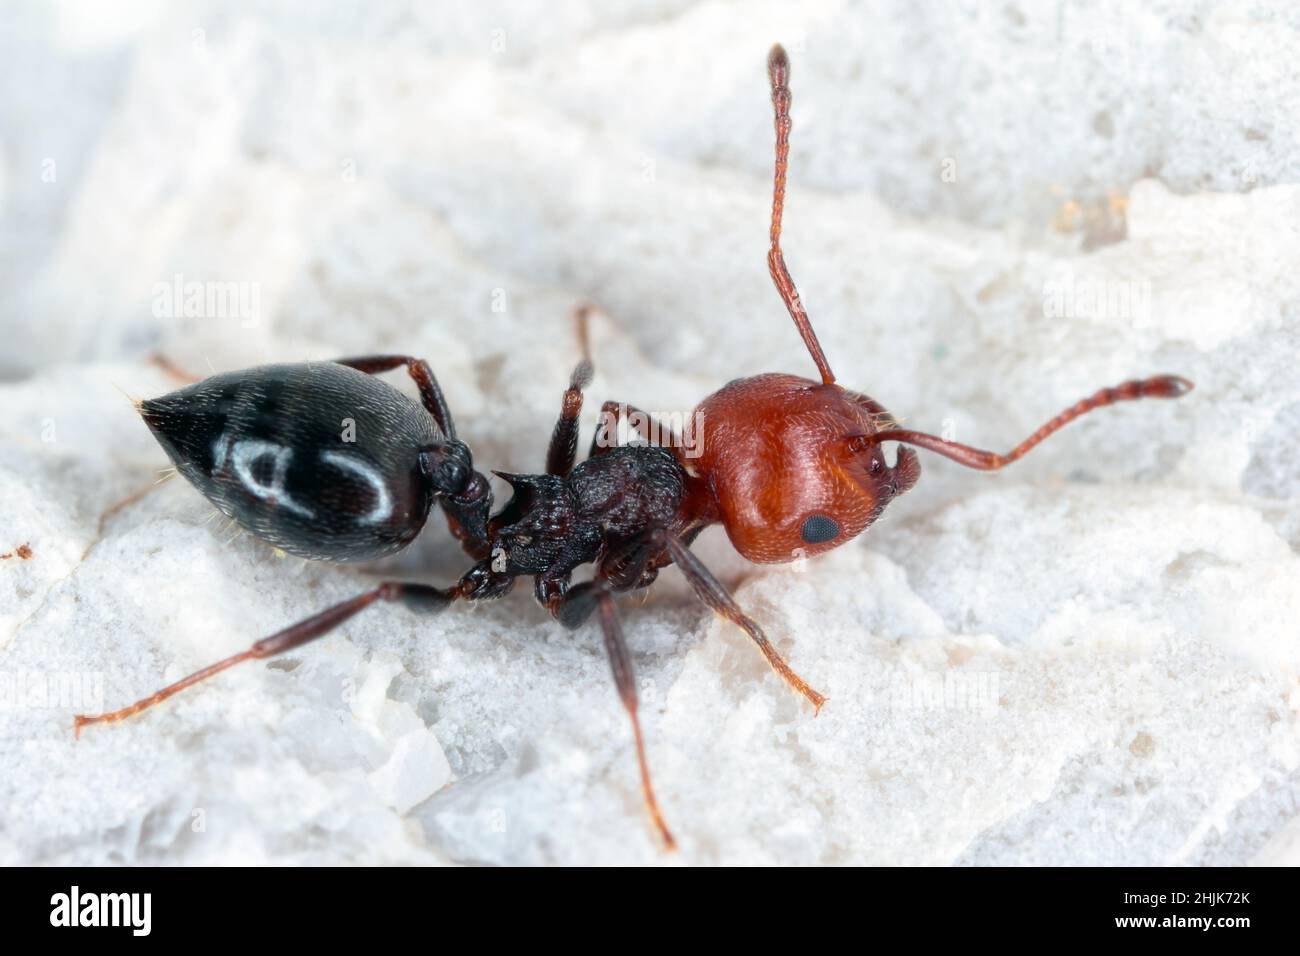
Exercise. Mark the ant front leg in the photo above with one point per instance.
(711, 592)
(418, 597)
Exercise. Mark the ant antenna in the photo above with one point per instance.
(778, 72)
(1162, 386)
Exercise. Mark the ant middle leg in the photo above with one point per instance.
(620, 662)
(711, 591)
(627, 563)
(418, 597)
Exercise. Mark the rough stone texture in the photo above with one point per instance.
(1090, 658)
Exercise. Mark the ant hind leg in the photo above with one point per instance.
(563, 449)
(419, 370)
(418, 597)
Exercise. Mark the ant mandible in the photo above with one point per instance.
(788, 466)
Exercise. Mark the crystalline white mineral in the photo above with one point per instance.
(1089, 658)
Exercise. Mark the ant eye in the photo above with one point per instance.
(818, 529)
(876, 466)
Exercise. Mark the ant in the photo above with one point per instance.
(789, 466)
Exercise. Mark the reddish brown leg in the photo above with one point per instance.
(712, 593)
(113, 510)
(430, 393)
(563, 450)
(582, 328)
(620, 663)
(575, 606)
(611, 415)
(1162, 386)
(173, 370)
(466, 511)
(419, 597)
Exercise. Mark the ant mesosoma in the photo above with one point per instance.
(788, 466)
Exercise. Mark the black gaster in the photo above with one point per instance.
(317, 459)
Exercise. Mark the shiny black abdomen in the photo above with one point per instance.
(317, 459)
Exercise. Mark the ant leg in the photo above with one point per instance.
(626, 567)
(173, 370)
(467, 516)
(419, 370)
(623, 568)
(606, 435)
(418, 597)
(712, 593)
(620, 663)
(563, 449)
(573, 608)
(117, 507)
(467, 509)
(581, 326)
(611, 414)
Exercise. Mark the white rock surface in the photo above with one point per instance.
(1090, 658)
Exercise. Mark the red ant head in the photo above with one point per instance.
(793, 467)
(788, 462)
(791, 471)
